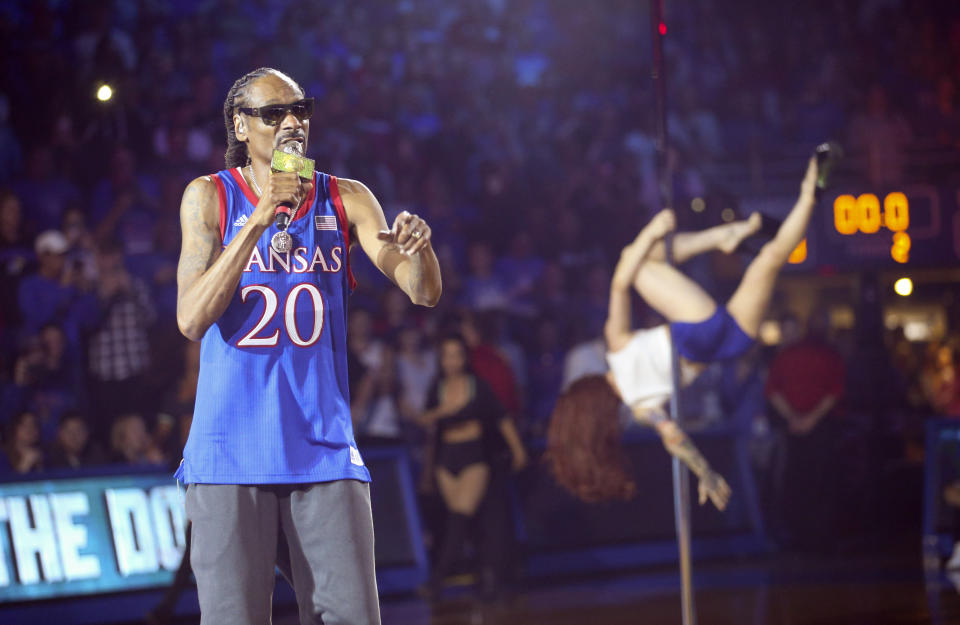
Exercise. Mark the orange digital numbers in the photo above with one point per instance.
(896, 212)
(900, 251)
(868, 213)
(845, 214)
(863, 214)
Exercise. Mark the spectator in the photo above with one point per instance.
(81, 252)
(177, 409)
(940, 382)
(131, 444)
(545, 373)
(482, 288)
(22, 453)
(72, 448)
(361, 342)
(11, 155)
(593, 302)
(15, 257)
(519, 270)
(52, 295)
(490, 365)
(882, 137)
(394, 313)
(805, 387)
(119, 347)
(44, 190)
(47, 381)
(375, 406)
(550, 292)
(416, 366)
(125, 205)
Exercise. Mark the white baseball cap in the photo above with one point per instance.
(51, 242)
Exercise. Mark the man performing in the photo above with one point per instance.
(272, 469)
(583, 440)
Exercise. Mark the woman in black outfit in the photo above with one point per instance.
(468, 425)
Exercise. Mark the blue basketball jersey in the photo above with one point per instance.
(273, 404)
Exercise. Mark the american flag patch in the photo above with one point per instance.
(325, 222)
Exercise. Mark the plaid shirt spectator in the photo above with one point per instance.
(120, 348)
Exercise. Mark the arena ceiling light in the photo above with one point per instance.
(104, 92)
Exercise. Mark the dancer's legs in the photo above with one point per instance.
(672, 294)
(463, 492)
(749, 302)
(667, 289)
(725, 237)
(462, 495)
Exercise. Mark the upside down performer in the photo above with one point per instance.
(583, 440)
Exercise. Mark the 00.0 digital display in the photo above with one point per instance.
(863, 214)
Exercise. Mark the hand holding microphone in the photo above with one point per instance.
(291, 176)
(281, 189)
(289, 159)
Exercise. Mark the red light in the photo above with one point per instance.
(663, 29)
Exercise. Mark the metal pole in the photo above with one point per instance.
(681, 476)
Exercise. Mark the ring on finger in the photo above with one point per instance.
(416, 234)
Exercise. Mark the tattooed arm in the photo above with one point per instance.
(676, 441)
(207, 276)
(409, 261)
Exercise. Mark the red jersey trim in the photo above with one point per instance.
(222, 195)
(242, 183)
(344, 227)
(253, 199)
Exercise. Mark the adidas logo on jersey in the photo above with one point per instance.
(241, 221)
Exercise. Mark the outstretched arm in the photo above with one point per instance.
(617, 328)
(406, 258)
(675, 440)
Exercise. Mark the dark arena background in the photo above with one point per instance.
(525, 133)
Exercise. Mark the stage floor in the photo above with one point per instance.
(785, 590)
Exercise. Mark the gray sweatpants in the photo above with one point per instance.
(327, 530)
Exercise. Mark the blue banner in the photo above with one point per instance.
(91, 535)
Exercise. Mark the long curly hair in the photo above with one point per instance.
(236, 154)
(584, 452)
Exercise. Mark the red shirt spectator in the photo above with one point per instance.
(494, 370)
(805, 373)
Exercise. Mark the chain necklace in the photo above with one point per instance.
(253, 178)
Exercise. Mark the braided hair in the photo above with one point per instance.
(236, 154)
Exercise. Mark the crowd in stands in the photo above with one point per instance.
(521, 130)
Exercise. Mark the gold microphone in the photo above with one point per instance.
(288, 159)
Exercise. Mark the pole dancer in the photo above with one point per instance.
(583, 439)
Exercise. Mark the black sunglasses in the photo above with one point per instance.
(273, 114)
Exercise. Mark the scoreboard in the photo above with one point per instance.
(861, 229)
(863, 214)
